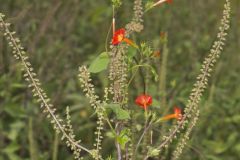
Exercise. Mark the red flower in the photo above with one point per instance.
(144, 101)
(119, 36)
(177, 114)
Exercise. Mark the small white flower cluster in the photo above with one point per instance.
(88, 88)
(192, 111)
(117, 91)
(40, 95)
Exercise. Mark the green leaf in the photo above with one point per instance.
(155, 75)
(18, 85)
(14, 110)
(131, 52)
(10, 150)
(148, 6)
(123, 138)
(100, 63)
(110, 135)
(120, 113)
(15, 129)
(109, 158)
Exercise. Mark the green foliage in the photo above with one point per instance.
(59, 41)
(117, 3)
(123, 138)
(149, 5)
(100, 63)
(120, 113)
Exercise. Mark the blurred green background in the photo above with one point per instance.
(62, 35)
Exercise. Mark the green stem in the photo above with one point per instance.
(110, 125)
(163, 75)
(146, 128)
(55, 147)
(32, 145)
(134, 74)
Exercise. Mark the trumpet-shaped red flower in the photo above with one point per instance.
(144, 101)
(177, 114)
(119, 36)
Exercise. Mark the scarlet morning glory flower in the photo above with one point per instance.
(144, 101)
(119, 36)
(177, 114)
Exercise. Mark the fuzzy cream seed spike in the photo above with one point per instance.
(35, 85)
(192, 110)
